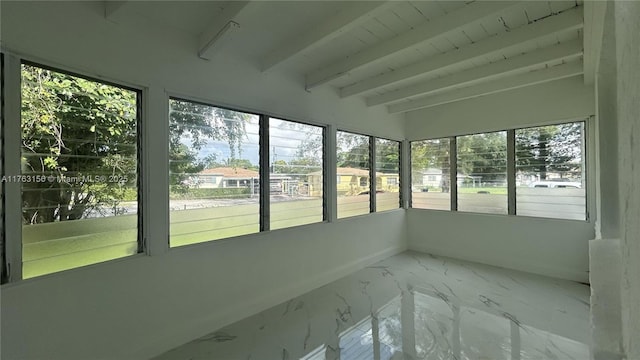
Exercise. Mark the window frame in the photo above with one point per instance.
(587, 142)
(324, 165)
(264, 156)
(453, 172)
(402, 149)
(370, 163)
(12, 262)
(588, 147)
(400, 179)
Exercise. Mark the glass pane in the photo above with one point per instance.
(550, 179)
(387, 175)
(296, 174)
(214, 177)
(353, 174)
(430, 175)
(482, 173)
(79, 171)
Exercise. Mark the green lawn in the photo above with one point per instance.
(59, 246)
(490, 190)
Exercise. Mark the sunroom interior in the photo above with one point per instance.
(177, 172)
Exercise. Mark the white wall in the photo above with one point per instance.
(140, 306)
(556, 101)
(608, 225)
(556, 248)
(628, 111)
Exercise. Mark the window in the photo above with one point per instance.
(546, 172)
(79, 176)
(387, 174)
(430, 174)
(482, 173)
(353, 170)
(207, 141)
(550, 179)
(297, 176)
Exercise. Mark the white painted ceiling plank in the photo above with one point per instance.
(569, 20)
(594, 12)
(483, 73)
(492, 87)
(221, 23)
(408, 14)
(352, 16)
(435, 28)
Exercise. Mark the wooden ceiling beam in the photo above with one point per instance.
(436, 28)
(510, 66)
(509, 83)
(566, 21)
(352, 15)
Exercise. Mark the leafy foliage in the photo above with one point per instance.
(352, 150)
(545, 149)
(483, 155)
(77, 129)
(191, 127)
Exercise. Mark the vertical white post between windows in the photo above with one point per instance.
(155, 179)
(265, 184)
(405, 175)
(453, 172)
(12, 144)
(330, 169)
(372, 174)
(326, 187)
(589, 162)
(511, 171)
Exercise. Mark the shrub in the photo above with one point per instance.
(217, 193)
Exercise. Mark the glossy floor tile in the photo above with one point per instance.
(414, 306)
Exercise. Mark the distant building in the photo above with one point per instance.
(353, 181)
(227, 177)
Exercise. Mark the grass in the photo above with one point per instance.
(58, 246)
(483, 190)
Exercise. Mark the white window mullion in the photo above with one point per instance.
(155, 170)
(330, 171)
(405, 175)
(373, 186)
(12, 168)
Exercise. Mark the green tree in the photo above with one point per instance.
(75, 129)
(545, 149)
(353, 150)
(431, 154)
(191, 127)
(241, 164)
(387, 156)
(483, 156)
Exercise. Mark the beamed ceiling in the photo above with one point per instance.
(403, 55)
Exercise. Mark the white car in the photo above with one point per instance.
(556, 184)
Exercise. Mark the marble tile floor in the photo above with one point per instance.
(413, 306)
